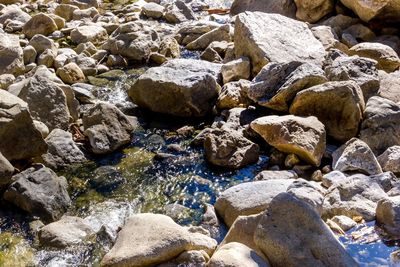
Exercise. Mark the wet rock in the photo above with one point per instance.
(338, 105)
(386, 57)
(236, 255)
(356, 195)
(277, 84)
(284, 7)
(95, 34)
(106, 127)
(46, 100)
(344, 222)
(390, 160)
(380, 128)
(236, 70)
(40, 192)
(6, 171)
(248, 198)
(388, 214)
(273, 175)
(361, 70)
(230, 149)
(71, 73)
(182, 88)
(106, 179)
(218, 34)
(150, 239)
(234, 94)
(62, 150)
(304, 137)
(313, 245)
(313, 10)
(153, 10)
(390, 82)
(67, 232)
(11, 53)
(355, 156)
(19, 138)
(265, 38)
(39, 24)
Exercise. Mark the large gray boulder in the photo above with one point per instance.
(106, 127)
(39, 191)
(19, 138)
(380, 128)
(291, 232)
(11, 54)
(286, 8)
(184, 88)
(338, 105)
(277, 84)
(150, 239)
(390, 160)
(268, 38)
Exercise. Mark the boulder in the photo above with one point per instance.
(308, 193)
(41, 43)
(333, 177)
(304, 137)
(361, 70)
(150, 239)
(92, 33)
(153, 10)
(284, 7)
(236, 255)
(106, 127)
(65, 11)
(39, 24)
(62, 150)
(356, 195)
(388, 215)
(71, 73)
(277, 84)
(39, 191)
(390, 160)
(390, 82)
(338, 105)
(6, 171)
(328, 37)
(178, 11)
(218, 34)
(11, 54)
(46, 100)
(177, 88)
(14, 13)
(344, 222)
(375, 9)
(380, 128)
(236, 70)
(230, 149)
(248, 198)
(268, 38)
(355, 156)
(313, 10)
(292, 232)
(234, 94)
(19, 138)
(67, 232)
(387, 58)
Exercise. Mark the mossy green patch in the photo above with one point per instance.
(15, 251)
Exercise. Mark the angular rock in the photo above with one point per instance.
(355, 156)
(387, 58)
(304, 137)
(388, 215)
(308, 193)
(273, 175)
(313, 10)
(218, 34)
(106, 127)
(150, 239)
(65, 11)
(178, 11)
(176, 90)
(230, 149)
(11, 54)
(389, 87)
(248, 198)
(62, 151)
(67, 232)
(380, 128)
(284, 7)
(344, 222)
(236, 70)
(333, 177)
(390, 160)
(268, 38)
(284, 239)
(82, 4)
(95, 34)
(153, 10)
(40, 192)
(338, 105)
(19, 138)
(71, 73)
(277, 84)
(41, 43)
(39, 24)
(368, 10)
(13, 12)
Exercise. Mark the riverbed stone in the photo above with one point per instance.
(176, 90)
(356, 156)
(11, 54)
(272, 175)
(236, 70)
(13, 12)
(284, 7)
(39, 191)
(71, 73)
(313, 10)
(344, 222)
(230, 149)
(234, 94)
(307, 192)
(153, 10)
(380, 128)
(266, 37)
(302, 136)
(150, 239)
(277, 84)
(390, 82)
(248, 198)
(390, 160)
(369, 10)
(106, 127)
(338, 105)
(92, 33)
(68, 231)
(39, 24)
(282, 237)
(388, 214)
(218, 34)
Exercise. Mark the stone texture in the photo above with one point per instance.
(39, 24)
(71, 73)
(375, 9)
(11, 54)
(388, 215)
(95, 34)
(389, 86)
(313, 10)
(390, 160)
(6, 171)
(304, 137)
(284, 7)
